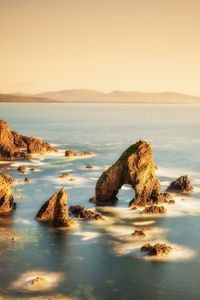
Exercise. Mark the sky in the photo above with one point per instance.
(143, 45)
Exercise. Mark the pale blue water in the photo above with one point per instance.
(91, 268)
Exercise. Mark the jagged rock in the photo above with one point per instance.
(82, 213)
(55, 210)
(181, 185)
(39, 281)
(64, 175)
(27, 179)
(89, 167)
(135, 167)
(154, 210)
(70, 153)
(6, 198)
(12, 144)
(8, 179)
(157, 250)
(139, 233)
(22, 169)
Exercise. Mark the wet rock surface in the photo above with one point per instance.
(82, 213)
(154, 210)
(181, 185)
(15, 146)
(156, 250)
(136, 168)
(55, 210)
(7, 203)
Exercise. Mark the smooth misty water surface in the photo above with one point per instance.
(92, 258)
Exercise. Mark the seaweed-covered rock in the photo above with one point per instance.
(154, 210)
(181, 185)
(82, 213)
(55, 210)
(6, 198)
(15, 146)
(136, 168)
(157, 250)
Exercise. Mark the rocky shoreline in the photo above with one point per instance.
(134, 167)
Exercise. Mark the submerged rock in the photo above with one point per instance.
(154, 210)
(12, 144)
(139, 233)
(89, 167)
(156, 250)
(55, 210)
(64, 175)
(39, 281)
(181, 185)
(136, 168)
(22, 169)
(82, 213)
(6, 198)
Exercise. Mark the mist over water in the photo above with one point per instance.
(102, 260)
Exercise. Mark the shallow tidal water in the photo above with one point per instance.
(102, 260)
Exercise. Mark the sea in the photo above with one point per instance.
(102, 260)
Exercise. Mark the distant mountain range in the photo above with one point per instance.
(91, 96)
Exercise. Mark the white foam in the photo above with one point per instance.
(87, 235)
(23, 221)
(24, 281)
(141, 223)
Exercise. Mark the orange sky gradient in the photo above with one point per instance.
(143, 45)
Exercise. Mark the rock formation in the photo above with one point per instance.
(181, 185)
(64, 175)
(55, 210)
(154, 210)
(89, 167)
(82, 213)
(70, 153)
(157, 250)
(135, 167)
(6, 198)
(8, 179)
(15, 146)
(22, 169)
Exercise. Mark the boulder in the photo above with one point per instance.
(156, 250)
(64, 175)
(181, 185)
(136, 168)
(12, 144)
(55, 210)
(27, 179)
(89, 167)
(70, 153)
(6, 198)
(154, 210)
(22, 169)
(82, 213)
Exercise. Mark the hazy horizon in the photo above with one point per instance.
(147, 46)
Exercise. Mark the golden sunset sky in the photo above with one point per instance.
(143, 45)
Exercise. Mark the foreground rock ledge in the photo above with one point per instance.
(55, 210)
(181, 185)
(135, 167)
(15, 146)
(6, 198)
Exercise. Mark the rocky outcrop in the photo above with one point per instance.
(82, 213)
(156, 250)
(55, 210)
(70, 153)
(8, 178)
(154, 210)
(6, 198)
(15, 146)
(181, 185)
(135, 167)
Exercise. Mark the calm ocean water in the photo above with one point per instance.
(102, 261)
